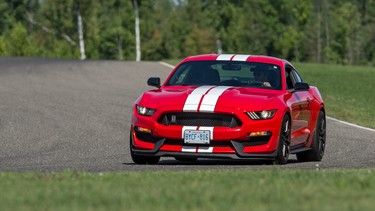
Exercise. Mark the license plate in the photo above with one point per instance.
(197, 137)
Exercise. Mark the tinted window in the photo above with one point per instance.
(289, 78)
(297, 76)
(227, 73)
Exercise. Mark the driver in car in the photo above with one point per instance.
(261, 75)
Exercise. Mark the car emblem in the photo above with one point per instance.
(173, 119)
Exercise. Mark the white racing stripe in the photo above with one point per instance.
(224, 57)
(240, 57)
(205, 149)
(232, 57)
(188, 149)
(210, 99)
(192, 101)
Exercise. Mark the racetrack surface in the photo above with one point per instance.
(58, 115)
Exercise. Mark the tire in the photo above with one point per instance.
(316, 152)
(284, 141)
(186, 159)
(139, 159)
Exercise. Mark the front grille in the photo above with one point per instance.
(200, 119)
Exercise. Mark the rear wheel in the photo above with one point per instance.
(284, 142)
(319, 142)
(139, 159)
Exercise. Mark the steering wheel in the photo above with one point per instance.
(256, 84)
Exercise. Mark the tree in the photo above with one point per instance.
(3, 48)
(137, 32)
(20, 44)
(346, 20)
(116, 30)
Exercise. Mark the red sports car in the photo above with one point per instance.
(229, 106)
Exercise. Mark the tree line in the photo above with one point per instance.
(320, 31)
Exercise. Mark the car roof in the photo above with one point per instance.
(236, 57)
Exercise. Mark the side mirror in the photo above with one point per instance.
(301, 86)
(154, 81)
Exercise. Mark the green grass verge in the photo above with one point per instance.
(191, 190)
(348, 91)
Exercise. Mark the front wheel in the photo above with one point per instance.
(319, 142)
(284, 141)
(139, 159)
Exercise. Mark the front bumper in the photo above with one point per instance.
(226, 142)
(237, 146)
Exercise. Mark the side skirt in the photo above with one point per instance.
(298, 148)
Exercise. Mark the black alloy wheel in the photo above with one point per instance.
(139, 159)
(318, 145)
(284, 141)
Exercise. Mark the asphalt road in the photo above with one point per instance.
(57, 115)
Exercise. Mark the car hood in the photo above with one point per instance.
(190, 98)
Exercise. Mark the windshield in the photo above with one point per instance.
(227, 73)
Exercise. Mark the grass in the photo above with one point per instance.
(190, 190)
(348, 91)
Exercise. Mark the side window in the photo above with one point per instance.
(289, 78)
(297, 76)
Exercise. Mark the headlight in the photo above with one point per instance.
(145, 111)
(258, 115)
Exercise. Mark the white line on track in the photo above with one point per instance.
(351, 124)
(330, 118)
(166, 64)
